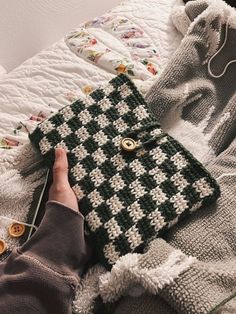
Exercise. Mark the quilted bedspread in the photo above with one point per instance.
(137, 38)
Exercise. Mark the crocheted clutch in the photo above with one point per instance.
(132, 180)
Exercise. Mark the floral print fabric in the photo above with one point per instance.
(143, 60)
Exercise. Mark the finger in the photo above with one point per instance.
(60, 167)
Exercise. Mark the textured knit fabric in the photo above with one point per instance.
(42, 275)
(148, 304)
(199, 110)
(230, 2)
(127, 197)
(210, 236)
(150, 272)
(22, 178)
(133, 274)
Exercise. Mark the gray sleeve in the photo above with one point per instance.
(59, 240)
(183, 81)
(42, 275)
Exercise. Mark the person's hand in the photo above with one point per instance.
(60, 189)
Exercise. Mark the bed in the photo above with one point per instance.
(137, 38)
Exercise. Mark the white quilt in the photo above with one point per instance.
(137, 37)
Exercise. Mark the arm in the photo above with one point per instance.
(60, 238)
(41, 276)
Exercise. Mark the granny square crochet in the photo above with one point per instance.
(132, 180)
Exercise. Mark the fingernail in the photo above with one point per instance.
(58, 153)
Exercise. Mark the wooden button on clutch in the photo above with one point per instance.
(128, 144)
(16, 230)
(3, 246)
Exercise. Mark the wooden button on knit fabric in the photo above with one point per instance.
(128, 144)
(16, 230)
(3, 246)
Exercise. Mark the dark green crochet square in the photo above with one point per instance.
(72, 159)
(108, 169)
(168, 167)
(169, 149)
(71, 141)
(146, 230)
(104, 213)
(74, 123)
(57, 119)
(87, 184)
(127, 175)
(121, 242)
(168, 188)
(109, 149)
(111, 131)
(106, 190)
(115, 97)
(147, 181)
(148, 162)
(167, 210)
(72, 179)
(88, 163)
(124, 220)
(126, 196)
(36, 136)
(77, 106)
(54, 137)
(97, 95)
(94, 110)
(102, 238)
(130, 119)
(93, 127)
(90, 145)
(191, 174)
(112, 114)
(147, 203)
(191, 194)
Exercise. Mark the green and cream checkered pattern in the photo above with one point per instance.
(126, 197)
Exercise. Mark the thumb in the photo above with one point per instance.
(60, 167)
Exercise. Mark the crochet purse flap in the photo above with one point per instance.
(132, 180)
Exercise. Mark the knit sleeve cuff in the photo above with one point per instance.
(59, 241)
